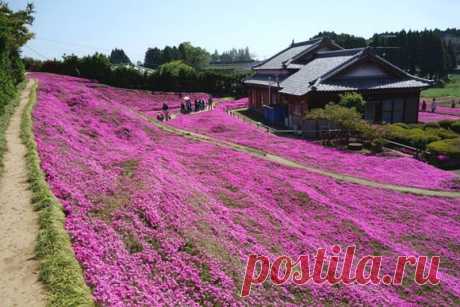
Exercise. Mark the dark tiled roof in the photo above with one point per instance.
(318, 74)
(276, 62)
(299, 82)
(368, 84)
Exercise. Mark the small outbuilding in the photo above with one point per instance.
(311, 74)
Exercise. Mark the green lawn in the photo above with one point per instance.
(452, 89)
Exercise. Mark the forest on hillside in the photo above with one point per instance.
(428, 53)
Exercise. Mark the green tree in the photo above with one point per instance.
(353, 100)
(194, 56)
(118, 56)
(345, 40)
(14, 33)
(153, 58)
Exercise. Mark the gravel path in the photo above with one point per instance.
(19, 285)
(290, 163)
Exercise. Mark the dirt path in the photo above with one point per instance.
(19, 285)
(290, 163)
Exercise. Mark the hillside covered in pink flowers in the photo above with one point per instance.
(159, 219)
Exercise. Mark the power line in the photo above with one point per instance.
(36, 52)
(62, 43)
(86, 46)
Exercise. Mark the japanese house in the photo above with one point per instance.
(311, 74)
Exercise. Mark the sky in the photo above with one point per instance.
(85, 26)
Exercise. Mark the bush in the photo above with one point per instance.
(446, 123)
(416, 137)
(419, 136)
(402, 125)
(14, 33)
(450, 148)
(353, 100)
(349, 120)
(455, 126)
(445, 153)
(432, 125)
(345, 117)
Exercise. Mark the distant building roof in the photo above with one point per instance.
(277, 61)
(369, 84)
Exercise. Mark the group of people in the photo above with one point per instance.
(434, 105)
(186, 107)
(199, 105)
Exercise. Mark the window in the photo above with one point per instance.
(387, 111)
(393, 110)
(370, 111)
(398, 109)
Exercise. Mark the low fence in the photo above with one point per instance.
(319, 129)
(312, 129)
(236, 113)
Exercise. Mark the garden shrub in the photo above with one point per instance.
(455, 126)
(432, 125)
(445, 153)
(353, 100)
(449, 147)
(402, 125)
(418, 137)
(412, 137)
(446, 123)
(350, 120)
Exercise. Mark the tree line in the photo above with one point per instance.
(196, 57)
(14, 33)
(118, 56)
(232, 56)
(172, 76)
(425, 53)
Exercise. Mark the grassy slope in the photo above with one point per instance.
(59, 269)
(5, 120)
(452, 89)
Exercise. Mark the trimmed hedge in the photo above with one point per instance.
(455, 126)
(418, 136)
(449, 147)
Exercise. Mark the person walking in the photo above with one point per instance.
(434, 105)
(452, 105)
(165, 109)
(210, 103)
(423, 106)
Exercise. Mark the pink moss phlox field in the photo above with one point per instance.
(386, 169)
(428, 117)
(158, 219)
(145, 101)
(441, 109)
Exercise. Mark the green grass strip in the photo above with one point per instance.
(59, 270)
(5, 117)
